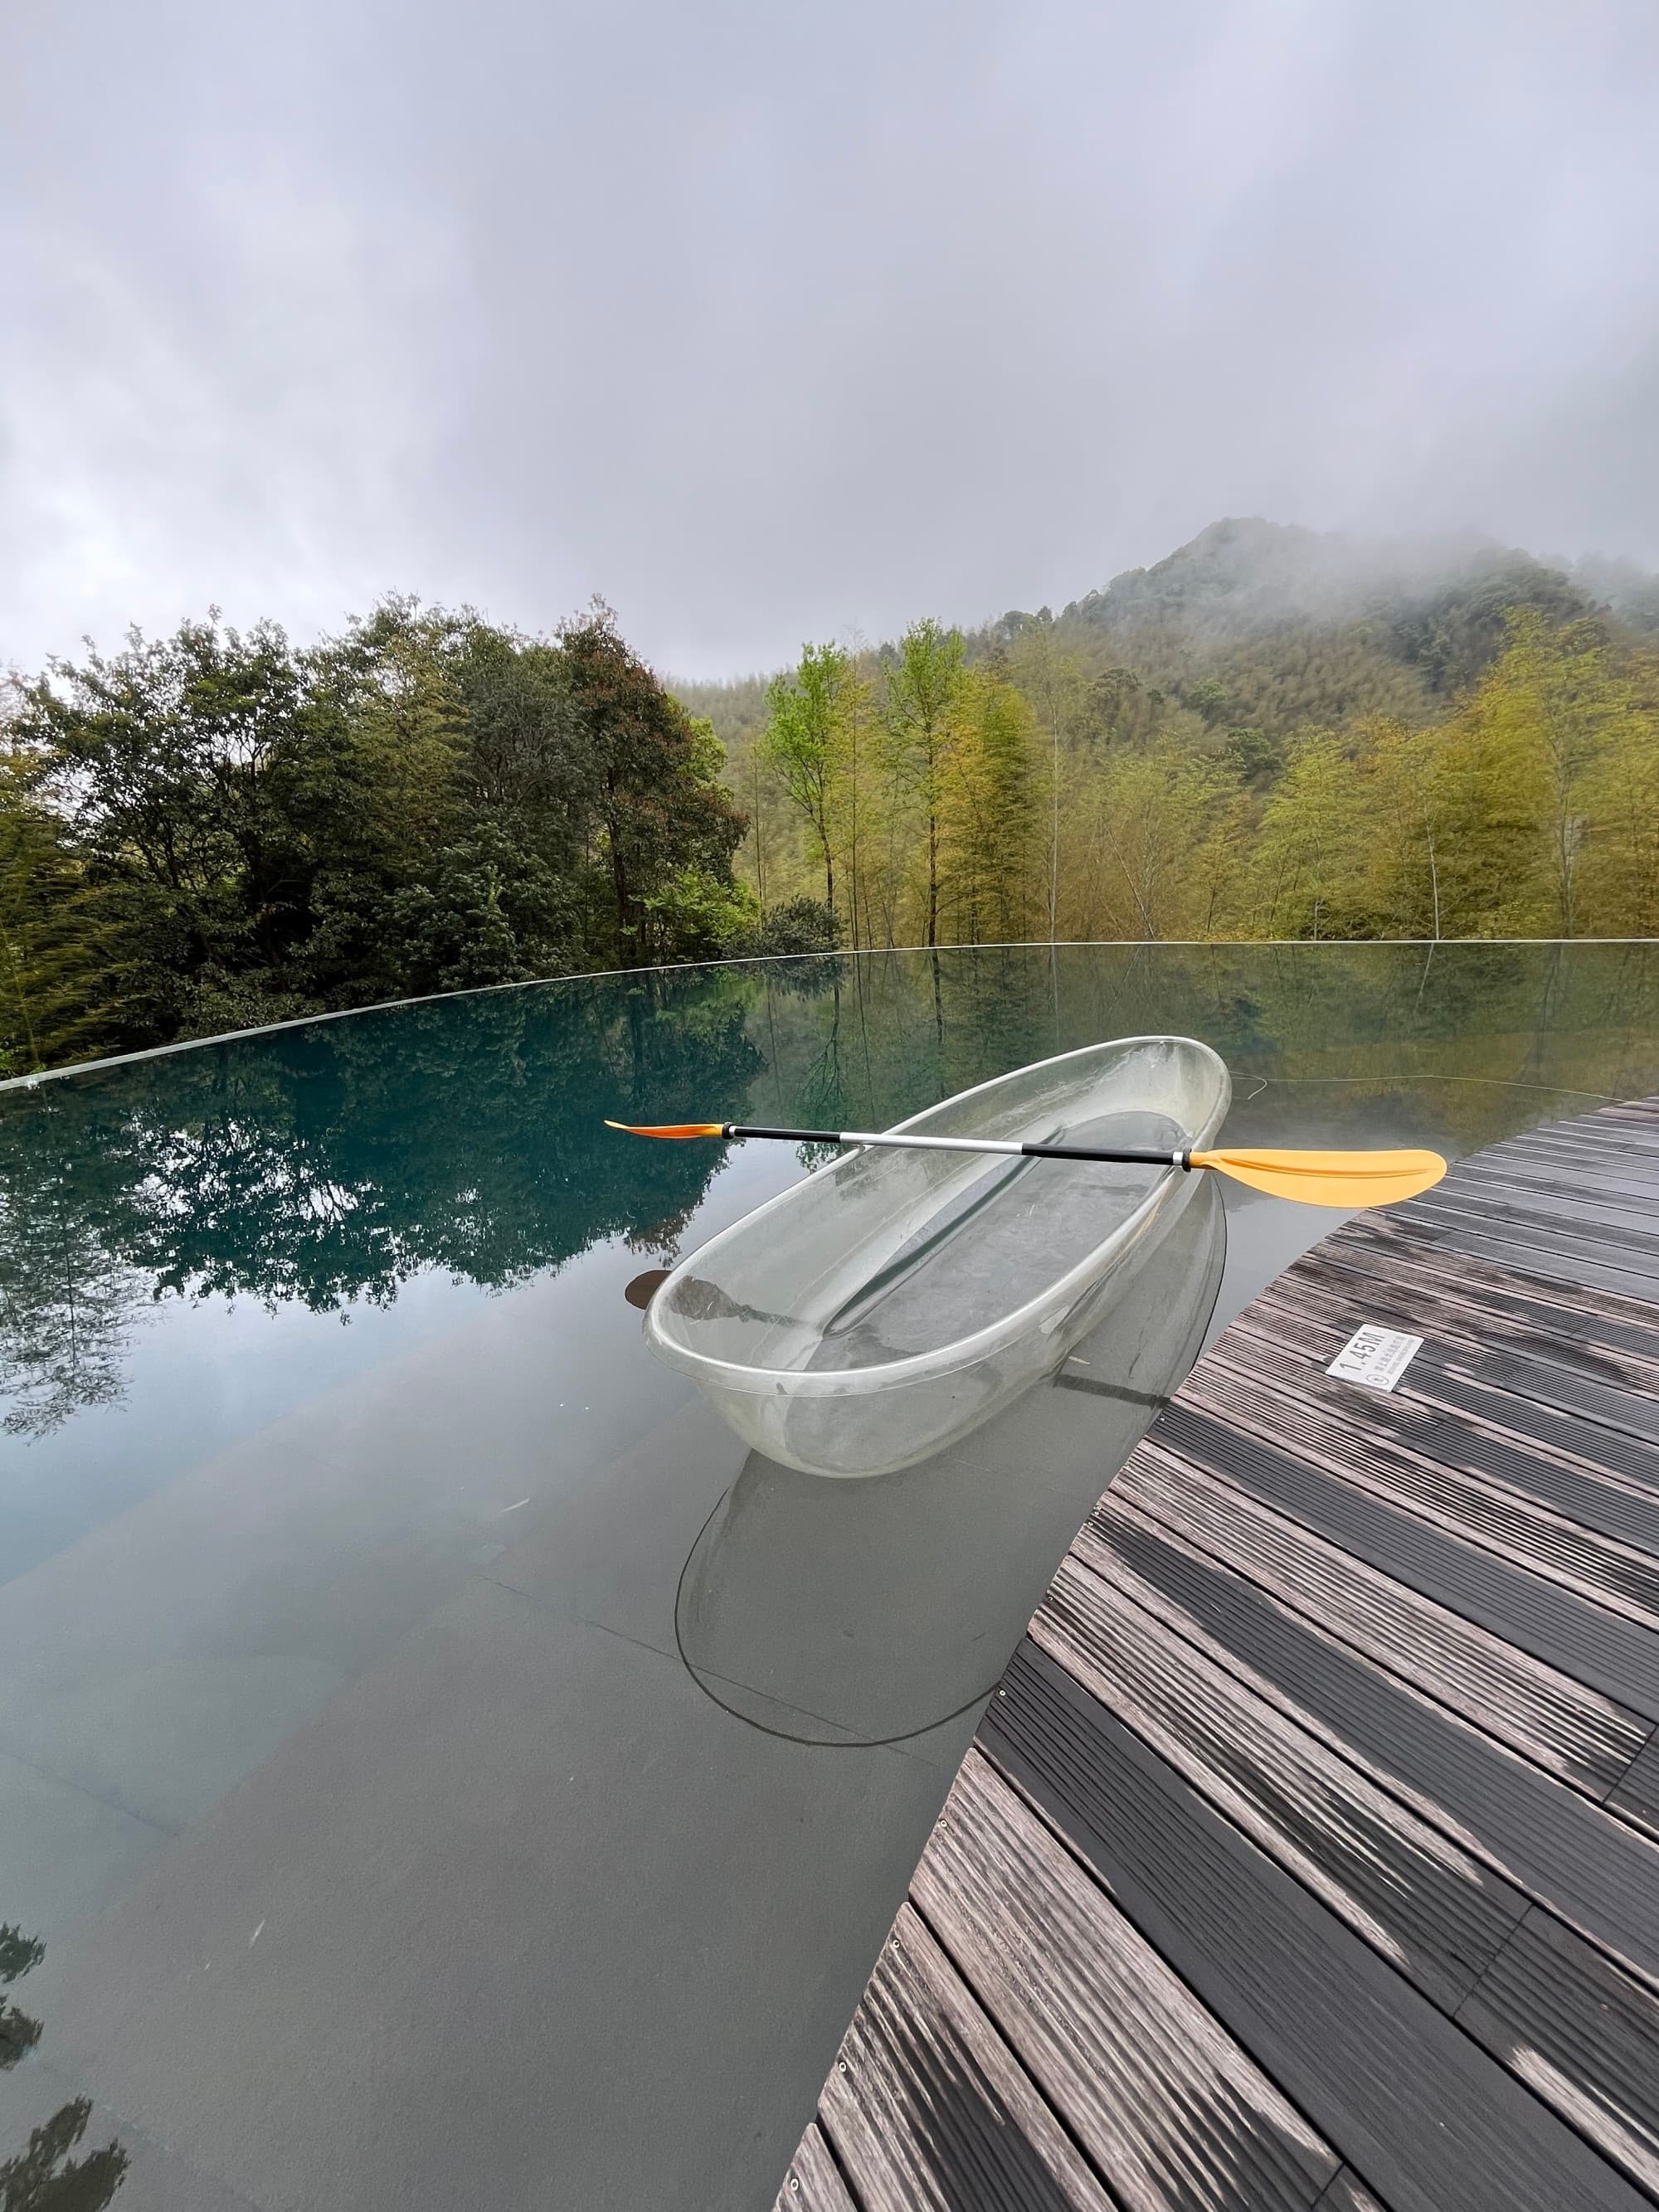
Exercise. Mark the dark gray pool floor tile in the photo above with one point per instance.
(593, 1932)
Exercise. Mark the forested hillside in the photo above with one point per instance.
(1269, 734)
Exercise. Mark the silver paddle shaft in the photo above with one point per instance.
(901, 1141)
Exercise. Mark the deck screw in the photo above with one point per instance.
(794, 2185)
(840, 2066)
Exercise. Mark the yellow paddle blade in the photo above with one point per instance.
(1345, 1179)
(669, 1128)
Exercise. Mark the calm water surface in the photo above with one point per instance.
(436, 1767)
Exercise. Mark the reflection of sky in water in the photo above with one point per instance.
(415, 1155)
(198, 1375)
(867, 1612)
(338, 1582)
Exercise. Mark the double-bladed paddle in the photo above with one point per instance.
(1341, 1179)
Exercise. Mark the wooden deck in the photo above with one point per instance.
(1309, 1853)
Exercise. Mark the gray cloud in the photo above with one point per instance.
(766, 320)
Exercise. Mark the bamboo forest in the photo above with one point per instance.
(1268, 735)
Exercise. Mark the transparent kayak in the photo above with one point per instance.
(879, 1311)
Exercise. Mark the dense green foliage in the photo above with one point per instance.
(1268, 734)
(214, 830)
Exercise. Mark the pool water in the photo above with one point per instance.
(438, 1765)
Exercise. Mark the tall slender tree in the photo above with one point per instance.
(1311, 838)
(1620, 879)
(925, 680)
(1054, 682)
(806, 744)
(989, 810)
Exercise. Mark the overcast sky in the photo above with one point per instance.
(766, 320)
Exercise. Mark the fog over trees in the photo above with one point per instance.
(1272, 733)
(1269, 734)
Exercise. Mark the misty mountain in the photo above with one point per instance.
(1243, 575)
(1270, 625)
(1270, 628)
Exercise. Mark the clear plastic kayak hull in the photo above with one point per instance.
(880, 1311)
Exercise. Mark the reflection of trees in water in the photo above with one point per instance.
(327, 1164)
(67, 1306)
(1582, 1016)
(18, 2032)
(661, 1238)
(42, 2177)
(860, 1041)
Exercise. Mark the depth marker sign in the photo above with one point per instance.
(1375, 1356)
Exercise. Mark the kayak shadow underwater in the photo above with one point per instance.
(870, 1611)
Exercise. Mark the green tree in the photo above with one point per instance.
(1157, 857)
(1207, 698)
(59, 984)
(1312, 844)
(805, 744)
(1406, 831)
(1559, 687)
(162, 761)
(987, 804)
(660, 806)
(375, 801)
(1054, 682)
(1621, 877)
(1518, 767)
(925, 680)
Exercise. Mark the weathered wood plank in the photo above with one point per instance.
(1618, 1657)
(1574, 1163)
(1600, 1453)
(1577, 1268)
(1310, 1853)
(1606, 1387)
(1428, 2119)
(1347, 2193)
(1548, 1716)
(1542, 1250)
(1591, 1868)
(1502, 1185)
(1167, 2106)
(1615, 1151)
(1637, 1794)
(1314, 1339)
(1630, 1190)
(813, 2182)
(1471, 1297)
(1437, 1913)
(1604, 1161)
(1391, 1234)
(1581, 2032)
(1228, 1396)
(927, 2107)
(1538, 1216)
(1417, 1421)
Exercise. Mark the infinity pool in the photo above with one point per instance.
(437, 1767)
